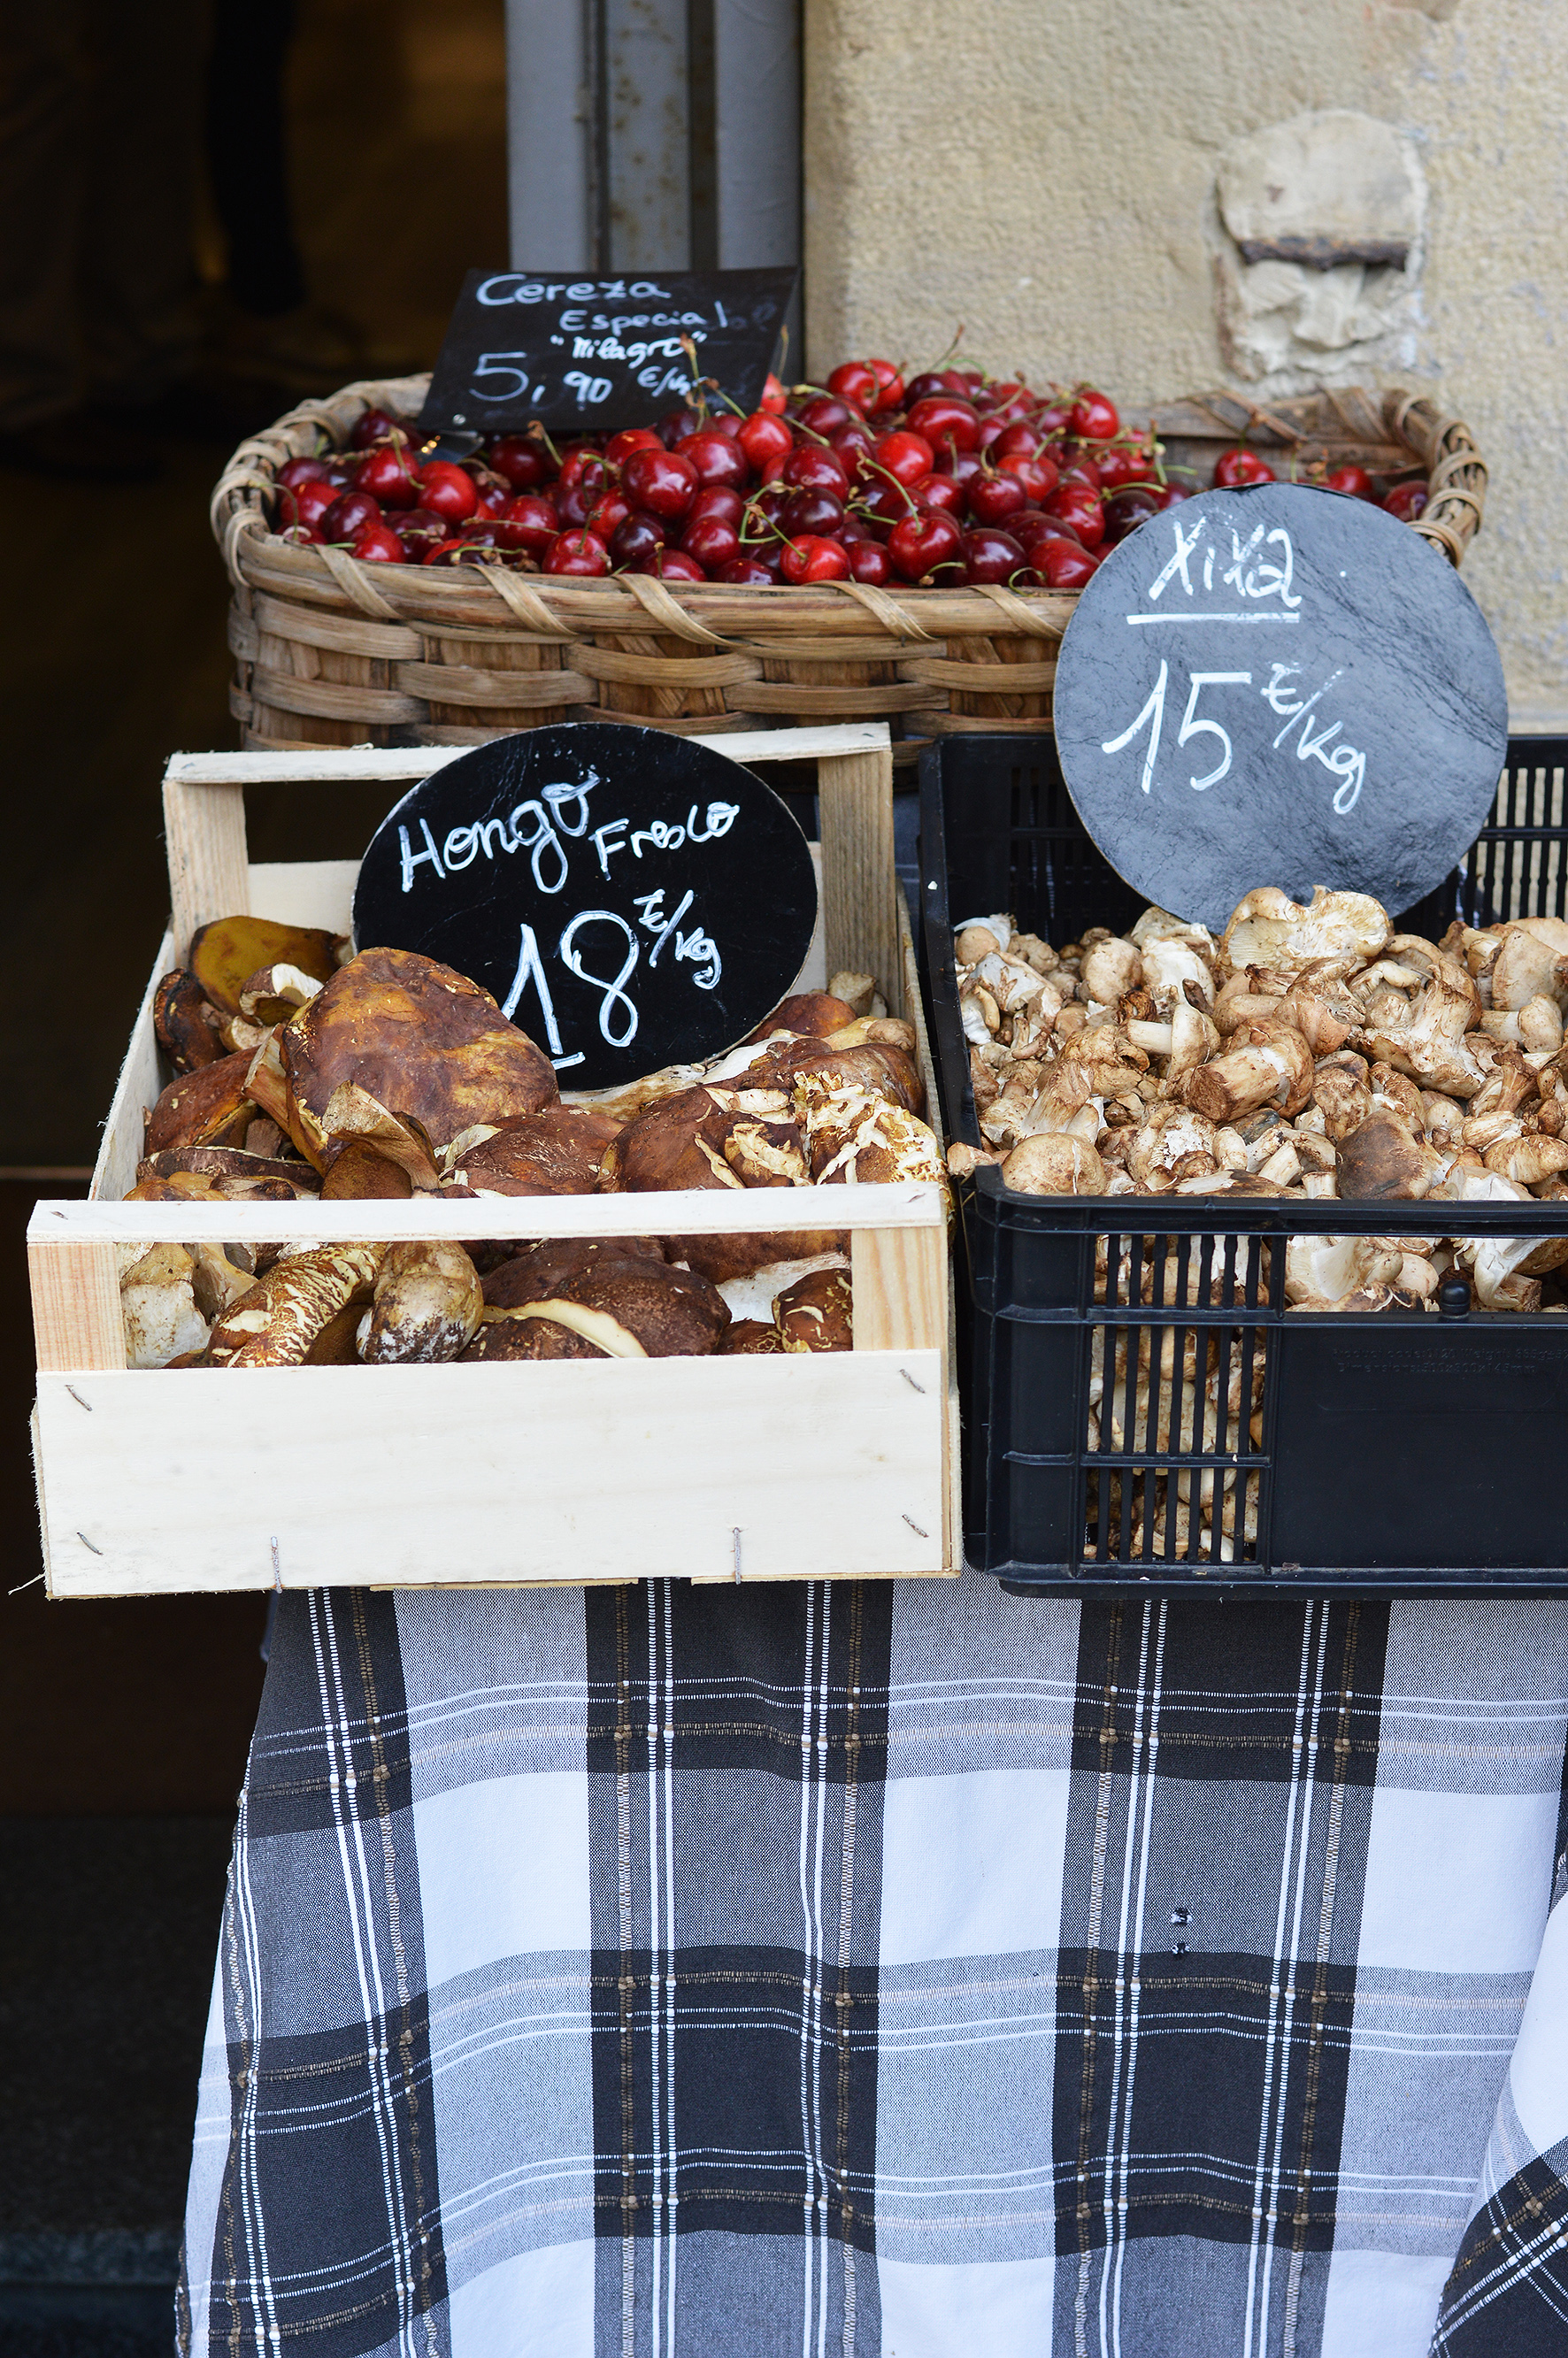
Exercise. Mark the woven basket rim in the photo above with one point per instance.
(720, 615)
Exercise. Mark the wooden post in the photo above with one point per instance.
(859, 887)
(208, 873)
(76, 1301)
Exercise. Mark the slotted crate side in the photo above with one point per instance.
(1387, 1459)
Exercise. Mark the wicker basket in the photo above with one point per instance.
(330, 652)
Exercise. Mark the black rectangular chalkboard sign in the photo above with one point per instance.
(527, 346)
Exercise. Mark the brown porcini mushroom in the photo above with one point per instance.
(275, 1323)
(556, 1152)
(817, 1312)
(227, 952)
(207, 1106)
(185, 1023)
(427, 1305)
(421, 1040)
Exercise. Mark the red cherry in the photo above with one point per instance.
(574, 502)
(991, 556)
(1354, 481)
(810, 511)
(1241, 466)
(378, 544)
(1407, 501)
(375, 426)
(1075, 468)
(675, 564)
(940, 495)
(855, 446)
(1038, 476)
(620, 447)
(886, 502)
(520, 460)
(582, 463)
(945, 421)
(962, 465)
(1170, 495)
(774, 395)
(716, 458)
(302, 470)
(1080, 507)
(536, 519)
(1125, 509)
(502, 533)
(308, 501)
(718, 500)
(763, 437)
(765, 509)
(457, 552)
(1063, 565)
(711, 542)
(1094, 416)
(889, 387)
(446, 490)
(493, 492)
(812, 558)
(869, 561)
(348, 516)
(1018, 441)
(923, 542)
(678, 425)
(421, 531)
(747, 572)
(611, 508)
(932, 383)
(661, 481)
(1124, 462)
(825, 415)
(636, 541)
(811, 468)
(907, 458)
(1031, 527)
(727, 422)
(994, 498)
(857, 383)
(581, 554)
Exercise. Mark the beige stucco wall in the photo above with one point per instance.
(1043, 171)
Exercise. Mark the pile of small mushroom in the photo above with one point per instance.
(1310, 1051)
(303, 1071)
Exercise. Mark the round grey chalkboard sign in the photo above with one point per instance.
(632, 900)
(1278, 685)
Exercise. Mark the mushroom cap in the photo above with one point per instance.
(185, 1037)
(1382, 1158)
(813, 1012)
(817, 1312)
(878, 1065)
(556, 1152)
(205, 1108)
(1055, 1163)
(420, 1039)
(227, 952)
(1267, 928)
(219, 1163)
(629, 1304)
(751, 1337)
(427, 1306)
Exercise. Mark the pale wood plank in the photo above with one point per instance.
(859, 883)
(208, 875)
(328, 763)
(900, 1286)
(776, 1211)
(76, 1301)
(577, 1472)
(137, 1087)
(304, 891)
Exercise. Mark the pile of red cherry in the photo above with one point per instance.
(954, 477)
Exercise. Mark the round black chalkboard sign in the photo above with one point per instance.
(1278, 685)
(632, 900)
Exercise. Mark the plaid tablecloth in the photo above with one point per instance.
(890, 1971)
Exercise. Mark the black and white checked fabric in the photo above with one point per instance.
(891, 1971)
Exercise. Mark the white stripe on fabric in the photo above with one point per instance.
(342, 1779)
(248, 2016)
(1287, 2019)
(1152, 1754)
(1286, 1856)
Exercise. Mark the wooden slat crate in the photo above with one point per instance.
(810, 1466)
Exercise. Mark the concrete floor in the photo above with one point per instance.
(123, 1725)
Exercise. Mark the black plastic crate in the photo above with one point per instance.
(1399, 1455)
